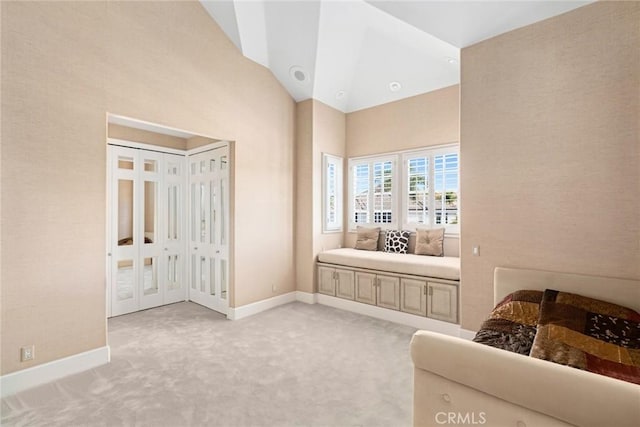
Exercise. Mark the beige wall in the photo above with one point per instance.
(329, 136)
(65, 66)
(319, 129)
(550, 150)
(145, 137)
(420, 121)
(304, 233)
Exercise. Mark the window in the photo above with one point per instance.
(372, 192)
(332, 193)
(431, 189)
(423, 191)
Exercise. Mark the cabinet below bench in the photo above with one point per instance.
(423, 296)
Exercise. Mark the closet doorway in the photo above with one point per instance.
(168, 234)
(147, 256)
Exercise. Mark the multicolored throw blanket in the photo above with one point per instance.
(568, 329)
(512, 323)
(589, 334)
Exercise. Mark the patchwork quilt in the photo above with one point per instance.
(512, 323)
(569, 329)
(589, 334)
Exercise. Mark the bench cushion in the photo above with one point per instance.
(418, 265)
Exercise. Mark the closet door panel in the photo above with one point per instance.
(124, 260)
(173, 229)
(208, 222)
(151, 279)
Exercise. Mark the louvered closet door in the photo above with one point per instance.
(209, 229)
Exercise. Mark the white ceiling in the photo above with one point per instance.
(349, 51)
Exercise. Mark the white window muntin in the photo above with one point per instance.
(389, 202)
(332, 184)
(408, 221)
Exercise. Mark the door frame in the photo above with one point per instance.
(185, 154)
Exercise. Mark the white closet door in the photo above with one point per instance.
(148, 237)
(125, 268)
(174, 228)
(208, 228)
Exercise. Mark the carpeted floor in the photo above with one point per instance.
(184, 365)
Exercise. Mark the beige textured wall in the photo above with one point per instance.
(198, 141)
(145, 137)
(420, 121)
(319, 129)
(550, 150)
(423, 120)
(65, 65)
(329, 136)
(304, 197)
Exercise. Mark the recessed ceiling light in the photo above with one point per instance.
(340, 94)
(299, 74)
(395, 86)
(452, 60)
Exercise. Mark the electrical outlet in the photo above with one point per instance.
(27, 353)
(476, 251)
(273, 287)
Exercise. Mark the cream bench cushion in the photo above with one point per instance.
(416, 265)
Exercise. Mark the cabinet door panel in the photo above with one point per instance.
(326, 282)
(345, 287)
(366, 288)
(442, 302)
(389, 292)
(413, 296)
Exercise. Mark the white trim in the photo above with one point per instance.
(143, 146)
(338, 162)
(430, 155)
(467, 334)
(117, 119)
(237, 313)
(208, 147)
(306, 297)
(391, 315)
(31, 377)
(444, 146)
(353, 162)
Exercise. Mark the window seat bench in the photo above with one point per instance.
(445, 267)
(415, 284)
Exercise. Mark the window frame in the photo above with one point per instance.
(335, 226)
(370, 160)
(430, 153)
(400, 188)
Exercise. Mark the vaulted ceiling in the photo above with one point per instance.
(355, 54)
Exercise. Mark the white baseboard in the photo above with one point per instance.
(306, 297)
(243, 311)
(31, 377)
(391, 315)
(467, 334)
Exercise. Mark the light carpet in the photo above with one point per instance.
(184, 365)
